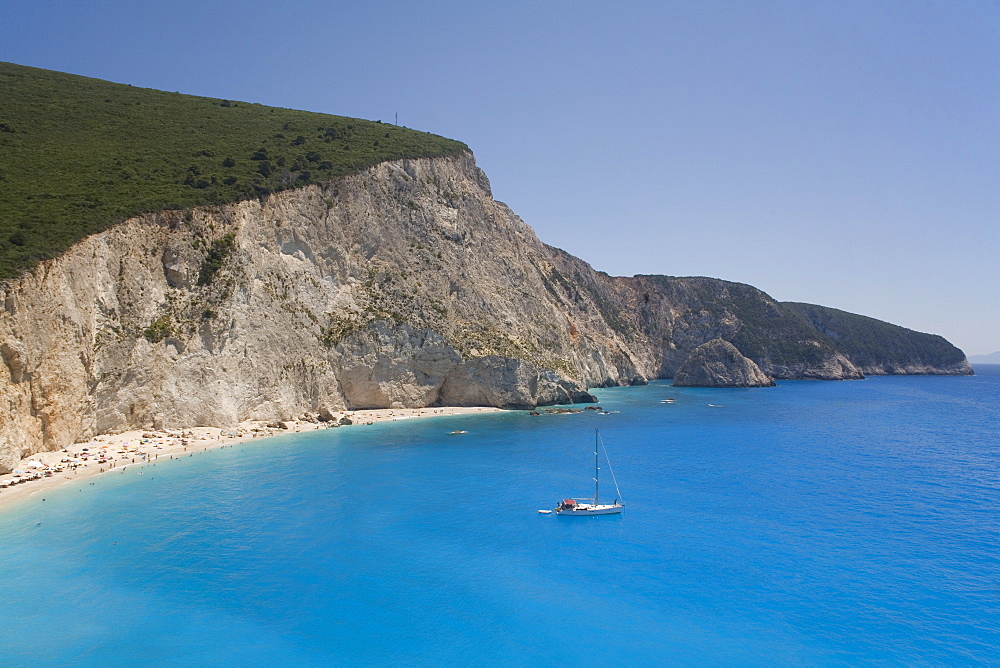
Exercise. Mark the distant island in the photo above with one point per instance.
(992, 358)
(173, 261)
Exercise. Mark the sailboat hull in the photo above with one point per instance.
(584, 509)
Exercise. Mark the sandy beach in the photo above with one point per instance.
(109, 452)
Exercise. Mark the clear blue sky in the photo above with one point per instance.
(844, 153)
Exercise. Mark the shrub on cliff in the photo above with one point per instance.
(215, 258)
(159, 329)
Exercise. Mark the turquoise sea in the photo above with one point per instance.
(816, 523)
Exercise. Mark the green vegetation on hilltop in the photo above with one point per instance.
(78, 155)
(870, 342)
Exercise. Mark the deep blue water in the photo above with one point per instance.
(817, 523)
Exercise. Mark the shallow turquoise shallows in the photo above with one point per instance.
(815, 523)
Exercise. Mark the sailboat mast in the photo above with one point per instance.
(597, 499)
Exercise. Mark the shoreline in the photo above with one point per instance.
(138, 447)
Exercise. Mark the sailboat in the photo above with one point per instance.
(575, 507)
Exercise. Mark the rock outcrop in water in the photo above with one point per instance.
(403, 285)
(719, 364)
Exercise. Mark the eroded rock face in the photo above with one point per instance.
(404, 285)
(719, 364)
(508, 383)
(380, 289)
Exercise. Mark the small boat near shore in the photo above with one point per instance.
(576, 507)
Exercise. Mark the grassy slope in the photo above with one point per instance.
(78, 155)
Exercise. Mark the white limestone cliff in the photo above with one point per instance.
(370, 292)
(403, 285)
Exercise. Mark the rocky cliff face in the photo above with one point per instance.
(719, 364)
(404, 285)
(673, 316)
